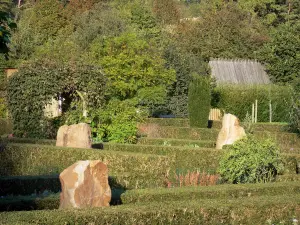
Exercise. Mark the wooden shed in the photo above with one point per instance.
(238, 72)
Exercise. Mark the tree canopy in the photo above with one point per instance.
(147, 50)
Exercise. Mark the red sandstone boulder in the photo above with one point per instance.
(76, 136)
(85, 184)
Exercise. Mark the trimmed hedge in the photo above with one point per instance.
(256, 210)
(5, 126)
(199, 100)
(283, 139)
(155, 131)
(176, 122)
(238, 100)
(183, 158)
(226, 191)
(130, 170)
(31, 141)
(271, 127)
(176, 142)
(288, 178)
(191, 159)
(51, 201)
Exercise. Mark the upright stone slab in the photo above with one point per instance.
(77, 136)
(231, 131)
(84, 185)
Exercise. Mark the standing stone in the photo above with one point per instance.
(85, 184)
(77, 136)
(231, 131)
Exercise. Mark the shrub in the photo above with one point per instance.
(117, 122)
(238, 100)
(250, 161)
(199, 101)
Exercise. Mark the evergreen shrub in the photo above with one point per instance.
(250, 160)
(238, 100)
(199, 100)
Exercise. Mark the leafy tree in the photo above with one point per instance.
(130, 64)
(101, 21)
(74, 7)
(185, 65)
(144, 22)
(40, 21)
(222, 33)
(282, 54)
(6, 25)
(166, 11)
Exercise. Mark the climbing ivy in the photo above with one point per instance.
(38, 82)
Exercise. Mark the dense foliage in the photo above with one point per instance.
(6, 25)
(199, 100)
(147, 51)
(250, 160)
(36, 83)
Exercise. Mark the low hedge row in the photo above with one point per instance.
(46, 201)
(283, 139)
(180, 136)
(176, 122)
(30, 141)
(131, 170)
(176, 142)
(183, 158)
(271, 127)
(210, 192)
(257, 210)
(186, 159)
(288, 178)
(5, 126)
(155, 131)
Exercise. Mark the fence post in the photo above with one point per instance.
(256, 111)
(253, 113)
(270, 111)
